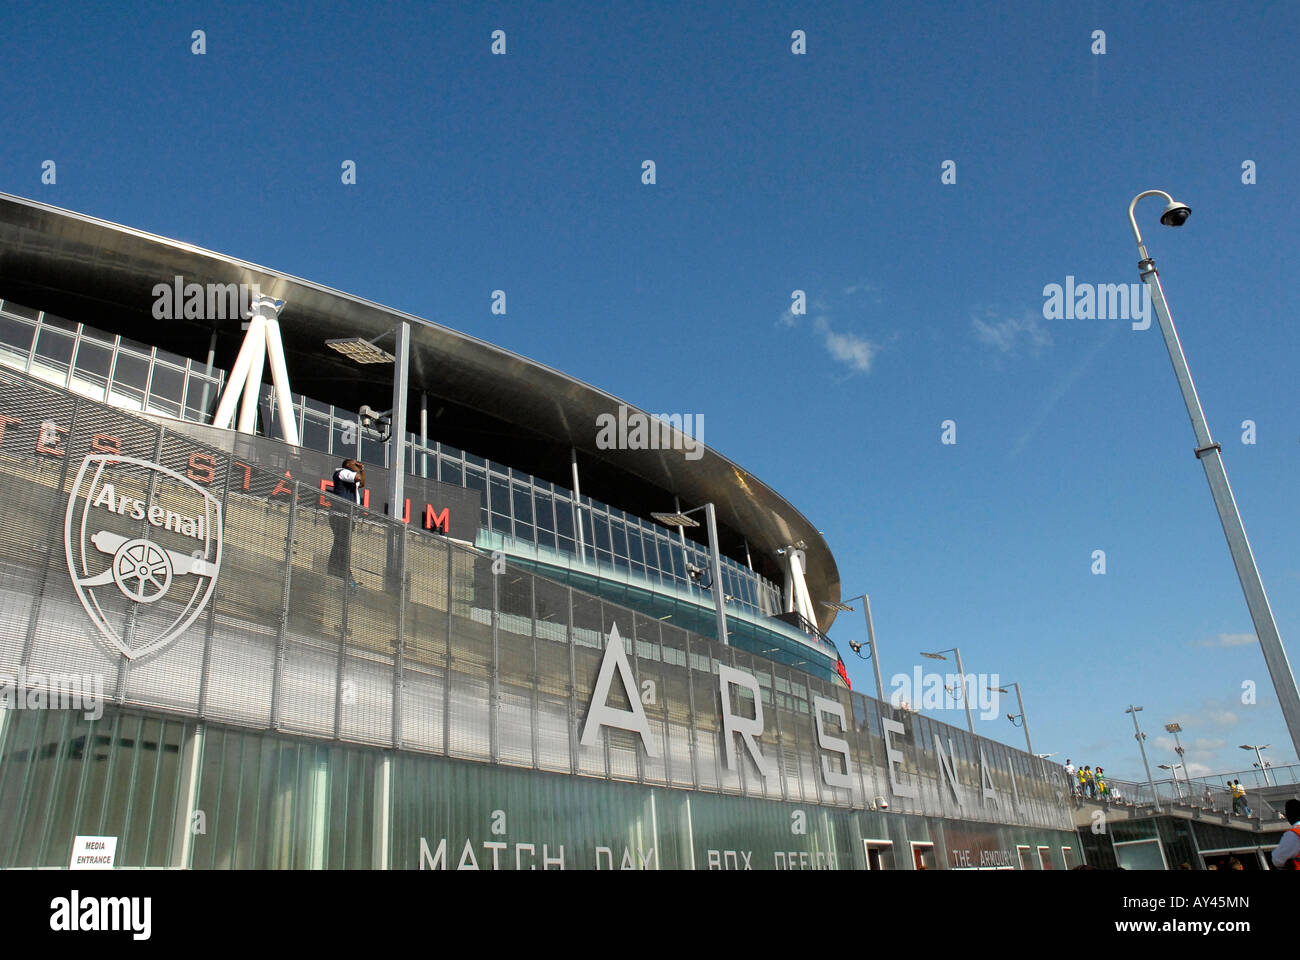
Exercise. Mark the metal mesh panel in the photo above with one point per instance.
(470, 663)
(675, 693)
(515, 675)
(588, 650)
(366, 697)
(649, 667)
(425, 641)
(324, 612)
(555, 726)
(789, 722)
(705, 702)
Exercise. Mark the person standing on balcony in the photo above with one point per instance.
(348, 481)
(1286, 855)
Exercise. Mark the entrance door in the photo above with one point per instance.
(923, 856)
(880, 854)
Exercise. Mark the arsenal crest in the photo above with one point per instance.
(144, 546)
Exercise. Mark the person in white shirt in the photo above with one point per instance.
(1070, 777)
(1286, 855)
(348, 481)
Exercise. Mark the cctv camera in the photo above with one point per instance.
(855, 646)
(1175, 214)
(1011, 717)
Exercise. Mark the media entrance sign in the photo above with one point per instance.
(143, 545)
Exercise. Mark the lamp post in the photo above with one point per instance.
(1012, 717)
(872, 653)
(1260, 758)
(1173, 770)
(1211, 456)
(1139, 736)
(681, 519)
(965, 690)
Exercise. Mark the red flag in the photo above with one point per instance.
(844, 674)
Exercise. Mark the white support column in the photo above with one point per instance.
(803, 602)
(253, 385)
(280, 375)
(262, 343)
(254, 340)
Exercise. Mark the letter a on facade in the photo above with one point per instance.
(602, 714)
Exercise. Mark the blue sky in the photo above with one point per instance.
(777, 172)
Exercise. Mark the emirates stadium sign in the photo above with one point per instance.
(143, 545)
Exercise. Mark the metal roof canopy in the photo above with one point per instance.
(59, 260)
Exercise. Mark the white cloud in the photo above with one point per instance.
(867, 288)
(848, 348)
(1226, 640)
(1222, 718)
(1007, 334)
(1198, 770)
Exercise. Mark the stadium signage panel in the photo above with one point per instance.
(140, 587)
(447, 509)
(835, 772)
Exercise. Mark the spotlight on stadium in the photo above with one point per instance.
(370, 416)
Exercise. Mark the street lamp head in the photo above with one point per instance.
(1175, 214)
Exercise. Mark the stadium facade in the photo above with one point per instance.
(521, 667)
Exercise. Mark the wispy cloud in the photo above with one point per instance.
(1225, 640)
(869, 289)
(1008, 334)
(854, 351)
(848, 348)
(1222, 718)
(1059, 389)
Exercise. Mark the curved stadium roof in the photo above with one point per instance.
(504, 406)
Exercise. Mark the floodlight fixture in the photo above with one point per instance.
(675, 519)
(360, 351)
